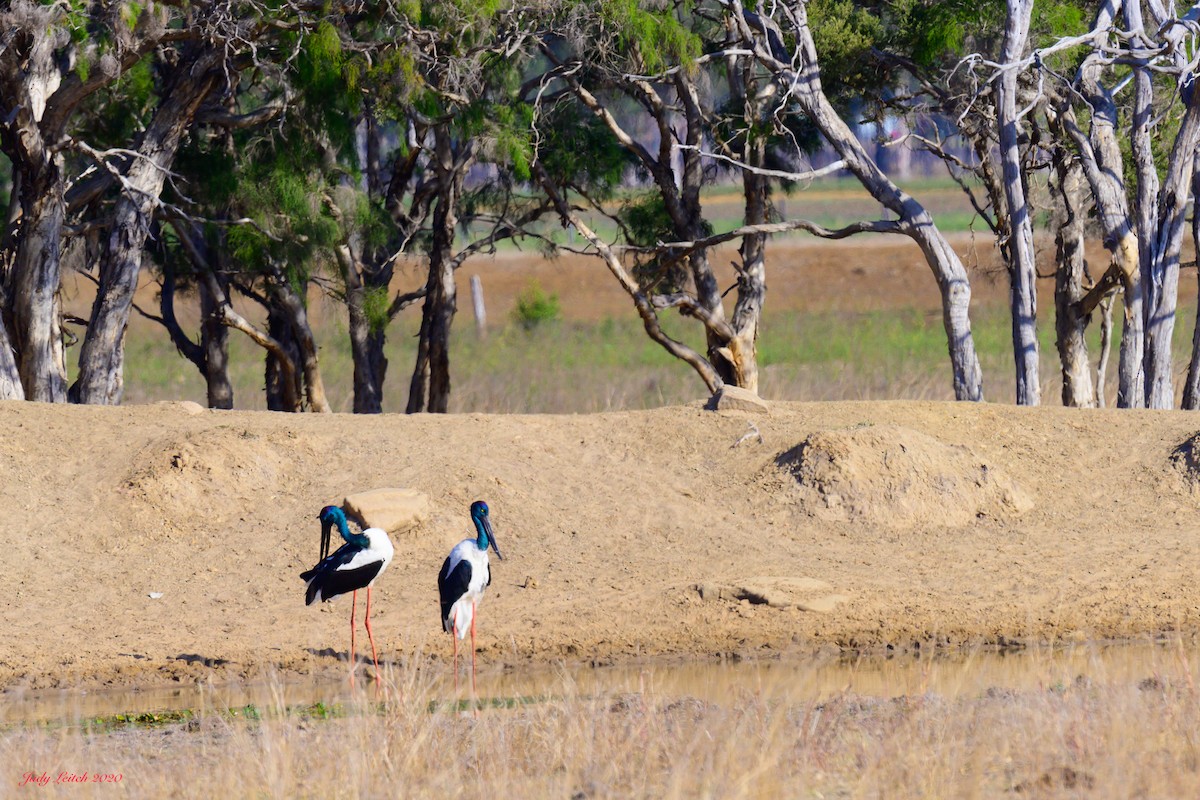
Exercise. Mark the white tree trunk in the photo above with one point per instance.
(1022, 270)
(801, 73)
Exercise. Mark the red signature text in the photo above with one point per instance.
(66, 777)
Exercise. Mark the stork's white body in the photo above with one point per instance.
(360, 571)
(463, 610)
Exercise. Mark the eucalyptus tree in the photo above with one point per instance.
(679, 70)
(1142, 214)
(263, 228)
(628, 64)
(783, 45)
(1139, 202)
(52, 58)
(141, 172)
(465, 114)
(940, 62)
(59, 64)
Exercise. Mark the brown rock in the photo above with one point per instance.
(392, 510)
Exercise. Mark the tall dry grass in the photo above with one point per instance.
(1091, 735)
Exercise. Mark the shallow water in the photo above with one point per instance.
(795, 680)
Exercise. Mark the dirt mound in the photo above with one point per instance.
(1186, 461)
(898, 478)
(197, 472)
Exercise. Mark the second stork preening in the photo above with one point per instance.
(355, 565)
(464, 576)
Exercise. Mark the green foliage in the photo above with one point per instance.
(467, 23)
(131, 13)
(928, 32)
(125, 107)
(578, 149)
(656, 37)
(376, 303)
(513, 127)
(535, 307)
(292, 228)
(648, 223)
(327, 78)
(647, 219)
(844, 35)
(1053, 20)
(76, 19)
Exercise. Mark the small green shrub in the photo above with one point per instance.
(534, 306)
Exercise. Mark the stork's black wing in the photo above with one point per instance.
(451, 586)
(331, 579)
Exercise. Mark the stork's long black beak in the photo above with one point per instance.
(487, 526)
(326, 533)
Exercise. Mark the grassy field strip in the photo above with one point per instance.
(1112, 729)
(574, 367)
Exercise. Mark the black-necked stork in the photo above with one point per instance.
(353, 566)
(461, 582)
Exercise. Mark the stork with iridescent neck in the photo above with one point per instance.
(353, 566)
(464, 576)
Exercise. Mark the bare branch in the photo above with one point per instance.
(645, 308)
(783, 174)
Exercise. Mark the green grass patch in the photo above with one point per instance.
(561, 366)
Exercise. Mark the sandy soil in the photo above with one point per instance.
(627, 535)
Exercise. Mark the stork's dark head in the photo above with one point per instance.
(483, 527)
(332, 515)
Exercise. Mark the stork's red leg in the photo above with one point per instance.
(353, 652)
(454, 636)
(473, 649)
(371, 636)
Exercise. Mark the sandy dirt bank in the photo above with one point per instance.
(627, 535)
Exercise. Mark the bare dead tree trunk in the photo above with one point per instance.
(283, 382)
(1191, 386)
(1101, 161)
(1106, 327)
(641, 302)
(688, 217)
(1022, 269)
(36, 277)
(738, 364)
(430, 386)
(732, 355)
(805, 81)
(1070, 324)
(214, 340)
(292, 309)
(1100, 154)
(10, 376)
(741, 351)
(1162, 284)
(1147, 188)
(121, 261)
